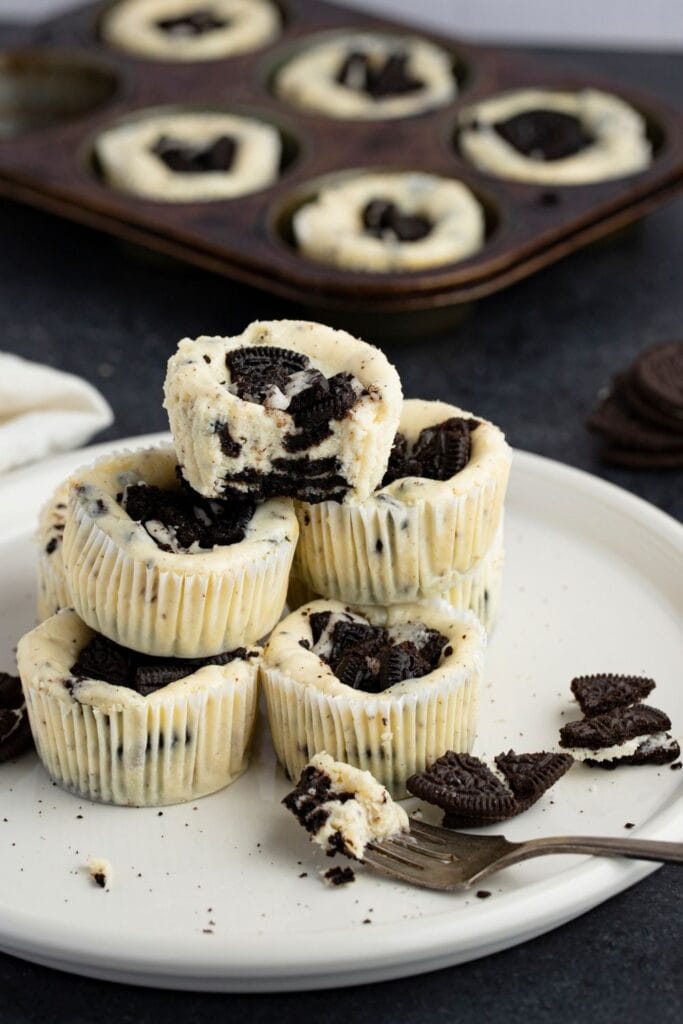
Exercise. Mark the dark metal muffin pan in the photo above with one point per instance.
(63, 86)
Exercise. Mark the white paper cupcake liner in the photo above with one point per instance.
(477, 591)
(393, 734)
(412, 539)
(174, 605)
(111, 745)
(52, 593)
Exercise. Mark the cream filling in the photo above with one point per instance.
(370, 817)
(643, 744)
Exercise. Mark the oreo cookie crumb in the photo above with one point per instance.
(339, 876)
(630, 824)
(105, 660)
(482, 894)
(676, 767)
(51, 545)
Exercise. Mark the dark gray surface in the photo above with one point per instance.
(532, 359)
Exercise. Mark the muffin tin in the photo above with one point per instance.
(60, 86)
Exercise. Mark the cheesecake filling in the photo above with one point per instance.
(343, 808)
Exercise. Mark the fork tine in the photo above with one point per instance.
(424, 876)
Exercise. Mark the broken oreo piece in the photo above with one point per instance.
(439, 453)
(217, 155)
(605, 691)
(544, 134)
(104, 660)
(472, 795)
(632, 735)
(15, 731)
(380, 79)
(381, 217)
(178, 521)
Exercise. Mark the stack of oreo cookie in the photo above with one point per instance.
(641, 418)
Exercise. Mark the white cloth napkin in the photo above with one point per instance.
(43, 410)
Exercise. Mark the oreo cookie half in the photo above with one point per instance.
(637, 734)
(605, 691)
(473, 795)
(658, 375)
(15, 731)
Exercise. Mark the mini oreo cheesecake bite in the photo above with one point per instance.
(551, 137)
(434, 518)
(388, 691)
(189, 156)
(53, 592)
(190, 30)
(161, 570)
(288, 407)
(387, 222)
(119, 727)
(368, 76)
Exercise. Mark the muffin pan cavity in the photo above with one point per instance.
(58, 95)
(40, 90)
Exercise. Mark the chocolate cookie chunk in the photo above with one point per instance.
(313, 789)
(196, 158)
(617, 729)
(182, 520)
(367, 658)
(15, 731)
(472, 795)
(339, 876)
(196, 22)
(545, 134)
(383, 218)
(103, 659)
(379, 79)
(605, 691)
(439, 453)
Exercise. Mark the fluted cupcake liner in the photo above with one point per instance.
(412, 539)
(393, 734)
(478, 590)
(174, 605)
(107, 743)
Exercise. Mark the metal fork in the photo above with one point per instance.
(438, 858)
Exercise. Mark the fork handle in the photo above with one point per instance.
(604, 846)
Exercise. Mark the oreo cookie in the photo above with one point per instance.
(439, 453)
(15, 731)
(472, 795)
(105, 660)
(180, 520)
(619, 728)
(605, 691)
(545, 134)
(383, 218)
(641, 419)
(379, 79)
(368, 658)
(196, 22)
(218, 155)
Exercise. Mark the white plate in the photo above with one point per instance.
(209, 895)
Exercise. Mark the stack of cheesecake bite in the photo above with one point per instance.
(295, 464)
